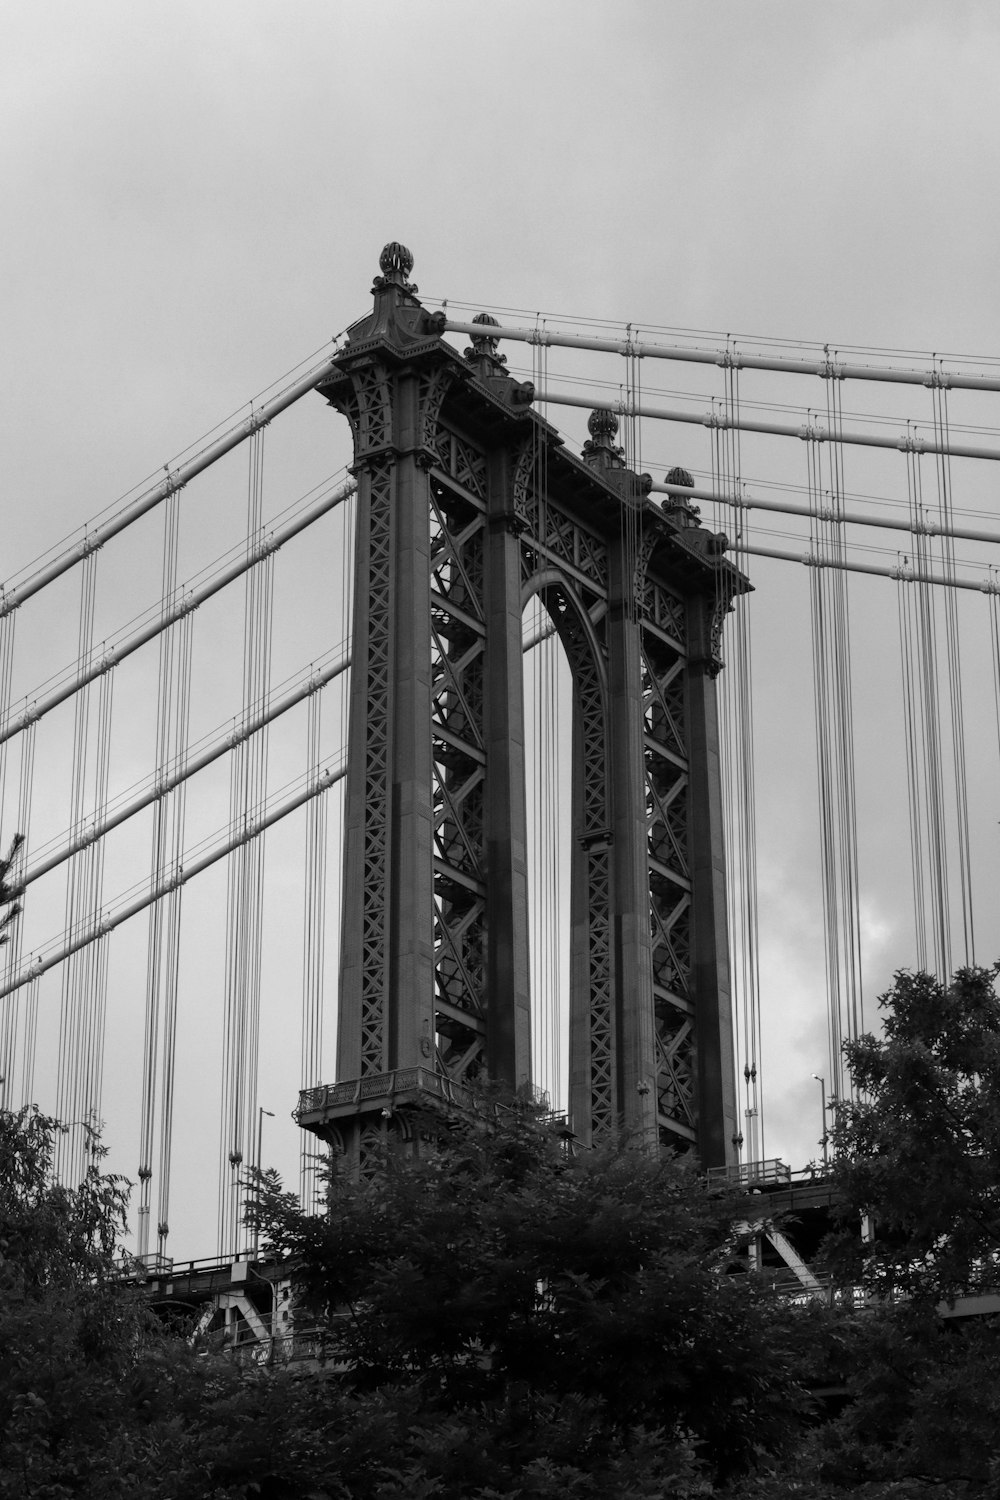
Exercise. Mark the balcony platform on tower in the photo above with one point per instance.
(402, 1089)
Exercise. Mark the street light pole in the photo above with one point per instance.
(261, 1112)
(825, 1138)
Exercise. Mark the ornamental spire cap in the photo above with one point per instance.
(483, 349)
(395, 263)
(601, 451)
(603, 425)
(395, 258)
(681, 511)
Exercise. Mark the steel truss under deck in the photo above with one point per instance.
(470, 505)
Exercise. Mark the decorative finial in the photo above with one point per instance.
(601, 450)
(484, 349)
(681, 511)
(395, 257)
(603, 426)
(395, 263)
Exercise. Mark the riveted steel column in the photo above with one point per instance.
(383, 381)
(509, 1018)
(717, 1122)
(636, 1057)
(411, 962)
(386, 998)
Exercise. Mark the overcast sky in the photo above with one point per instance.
(195, 199)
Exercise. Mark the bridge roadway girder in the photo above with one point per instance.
(243, 1308)
(470, 505)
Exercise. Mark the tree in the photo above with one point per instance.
(544, 1313)
(96, 1400)
(66, 1334)
(918, 1413)
(918, 1150)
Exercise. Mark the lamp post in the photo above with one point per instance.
(261, 1112)
(824, 1138)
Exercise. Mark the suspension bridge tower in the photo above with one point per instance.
(469, 506)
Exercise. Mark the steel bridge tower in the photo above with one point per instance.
(469, 504)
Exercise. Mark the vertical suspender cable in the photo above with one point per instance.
(933, 799)
(177, 800)
(992, 597)
(552, 1083)
(954, 661)
(739, 795)
(914, 770)
(9, 1022)
(28, 1001)
(160, 864)
(824, 776)
(540, 882)
(246, 878)
(97, 952)
(833, 715)
(313, 939)
(850, 995)
(546, 682)
(71, 1144)
(7, 624)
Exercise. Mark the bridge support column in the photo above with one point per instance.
(507, 982)
(468, 506)
(386, 1017)
(710, 945)
(630, 864)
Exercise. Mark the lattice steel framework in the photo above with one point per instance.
(469, 504)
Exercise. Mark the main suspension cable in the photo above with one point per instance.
(185, 603)
(545, 336)
(13, 595)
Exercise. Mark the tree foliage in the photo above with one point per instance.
(96, 1400)
(917, 1154)
(918, 1151)
(503, 1319)
(552, 1304)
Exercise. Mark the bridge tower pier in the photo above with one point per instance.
(469, 504)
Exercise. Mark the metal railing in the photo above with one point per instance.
(751, 1173)
(387, 1086)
